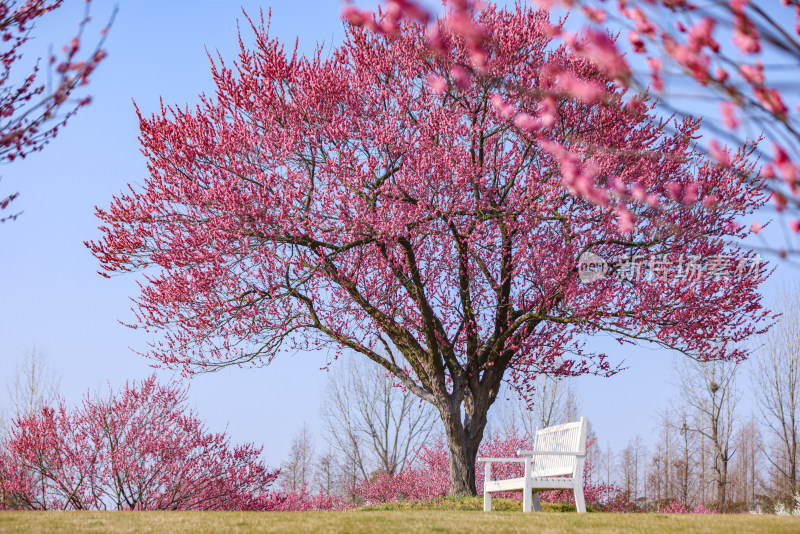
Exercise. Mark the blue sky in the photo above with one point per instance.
(52, 296)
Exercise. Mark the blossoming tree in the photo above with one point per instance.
(32, 112)
(381, 200)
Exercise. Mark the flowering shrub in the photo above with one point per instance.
(139, 449)
(300, 501)
(702, 509)
(407, 484)
(431, 480)
(676, 507)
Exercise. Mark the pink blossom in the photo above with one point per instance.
(506, 110)
(526, 122)
(729, 115)
(746, 42)
(355, 16)
(656, 66)
(461, 77)
(695, 62)
(674, 190)
(787, 168)
(772, 101)
(745, 35)
(754, 74)
(626, 220)
(720, 154)
(779, 200)
(583, 90)
(700, 35)
(594, 14)
(636, 42)
(548, 112)
(35, 111)
(600, 48)
(435, 39)
(690, 193)
(618, 185)
(643, 24)
(639, 192)
(437, 84)
(412, 10)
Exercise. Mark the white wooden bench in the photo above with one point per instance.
(555, 463)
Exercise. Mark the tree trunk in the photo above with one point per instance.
(722, 478)
(462, 466)
(464, 436)
(793, 459)
(722, 486)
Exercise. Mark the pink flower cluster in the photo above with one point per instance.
(287, 500)
(676, 507)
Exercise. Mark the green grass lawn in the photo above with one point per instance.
(386, 521)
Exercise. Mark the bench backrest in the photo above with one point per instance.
(569, 437)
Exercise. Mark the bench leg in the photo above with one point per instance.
(527, 497)
(579, 502)
(537, 504)
(487, 501)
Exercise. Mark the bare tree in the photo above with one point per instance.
(33, 384)
(639, 458)
(665, 456)
(371, 422)
(777, 380)
(627, 471)
(326, 474)
(630, 469)
(683, 465)
(340, 415)
(655, 475)
(604, 462)
(298, 468)
(553, 401)
(709, 389)
(748, 462)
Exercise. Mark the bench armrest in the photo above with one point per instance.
(493, 460)
(550, 453)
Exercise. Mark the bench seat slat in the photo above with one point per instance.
(550, 453)
(517, 484)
